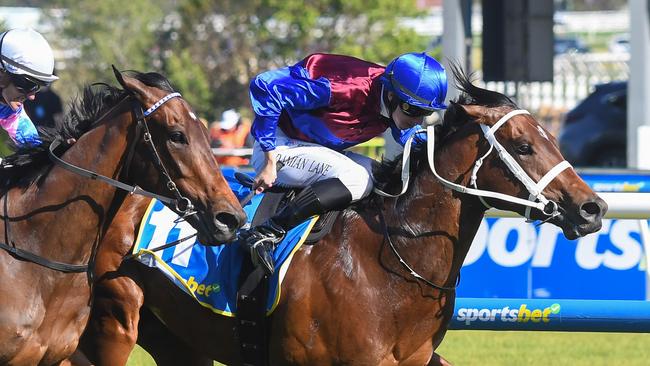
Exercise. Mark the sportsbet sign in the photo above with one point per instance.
(523, 314)
(512, 259)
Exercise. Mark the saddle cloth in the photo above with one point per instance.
(210, 274)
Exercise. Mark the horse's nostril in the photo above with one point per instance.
(590, 210)
(227, 219)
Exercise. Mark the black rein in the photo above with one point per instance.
(80, 268)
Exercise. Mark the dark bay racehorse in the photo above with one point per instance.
(352, 298)
(54, 215)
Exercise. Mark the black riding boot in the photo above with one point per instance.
(320, 197)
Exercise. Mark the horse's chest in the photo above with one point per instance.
(26, 343)
(41, 319)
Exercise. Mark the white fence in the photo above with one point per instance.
(621, 205)
(575, 76)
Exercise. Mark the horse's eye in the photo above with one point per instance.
(524, 149)
(177, 137)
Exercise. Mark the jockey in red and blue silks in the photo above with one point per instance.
(307, 114)
(26, 65)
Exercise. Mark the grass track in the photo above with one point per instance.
(545, 348)
(488, 348)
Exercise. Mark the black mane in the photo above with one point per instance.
(30, 163)
(387, 174)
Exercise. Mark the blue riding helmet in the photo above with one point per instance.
(418, 79)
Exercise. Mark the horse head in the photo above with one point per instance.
(515, 156)
(178, 160)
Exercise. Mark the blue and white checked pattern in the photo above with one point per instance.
(160, 102)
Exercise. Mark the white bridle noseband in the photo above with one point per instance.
(535, 199)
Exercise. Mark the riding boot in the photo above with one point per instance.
(326, 195)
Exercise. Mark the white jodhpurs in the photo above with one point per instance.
(306, 163)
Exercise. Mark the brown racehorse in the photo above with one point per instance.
(54, 215)
(349, 300)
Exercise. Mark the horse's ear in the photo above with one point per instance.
(118, 76)
(478, 113)
(457, 113)
(131, 85)
(474, 111)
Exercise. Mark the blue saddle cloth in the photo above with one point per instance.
(209, 274)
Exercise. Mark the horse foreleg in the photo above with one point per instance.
(112, 330)
(437, 360)
(109, 340)
(77, 359)
(424, 353)
(165, 348)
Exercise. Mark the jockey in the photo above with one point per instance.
(26, 65)
(307, 114)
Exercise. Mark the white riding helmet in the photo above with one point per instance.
(26, 52)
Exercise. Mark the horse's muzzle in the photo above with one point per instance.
(226, 225)
(586, 219)
(217, 228)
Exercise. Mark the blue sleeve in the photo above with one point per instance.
(289, 88)
(26, 133)
(401, 136)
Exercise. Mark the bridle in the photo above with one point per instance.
(182, 204)
(536, 198)
(546, 206)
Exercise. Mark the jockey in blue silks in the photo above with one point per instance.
(26, 65)
(308, 114)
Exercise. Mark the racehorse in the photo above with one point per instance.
(379, 289)
(58, 199)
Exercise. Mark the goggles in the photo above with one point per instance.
(413, 111)
(25, 84)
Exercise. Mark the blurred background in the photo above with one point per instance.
(550, 56)
(571, 63)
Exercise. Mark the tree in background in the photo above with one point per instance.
(210, 50)
(97, 34)
(235, 40)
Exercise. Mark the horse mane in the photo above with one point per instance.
(387, 174)
(30, 163)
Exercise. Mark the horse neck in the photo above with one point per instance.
(438, 223)
(69, 209)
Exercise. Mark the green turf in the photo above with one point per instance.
(545, 348)
(140, 358)
(487, 348)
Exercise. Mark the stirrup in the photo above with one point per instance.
(260, 242)
(262, 255)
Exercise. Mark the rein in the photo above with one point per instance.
(535, 199)
(34, 258)
(164, 246)
(406, 265)
(182, 204)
